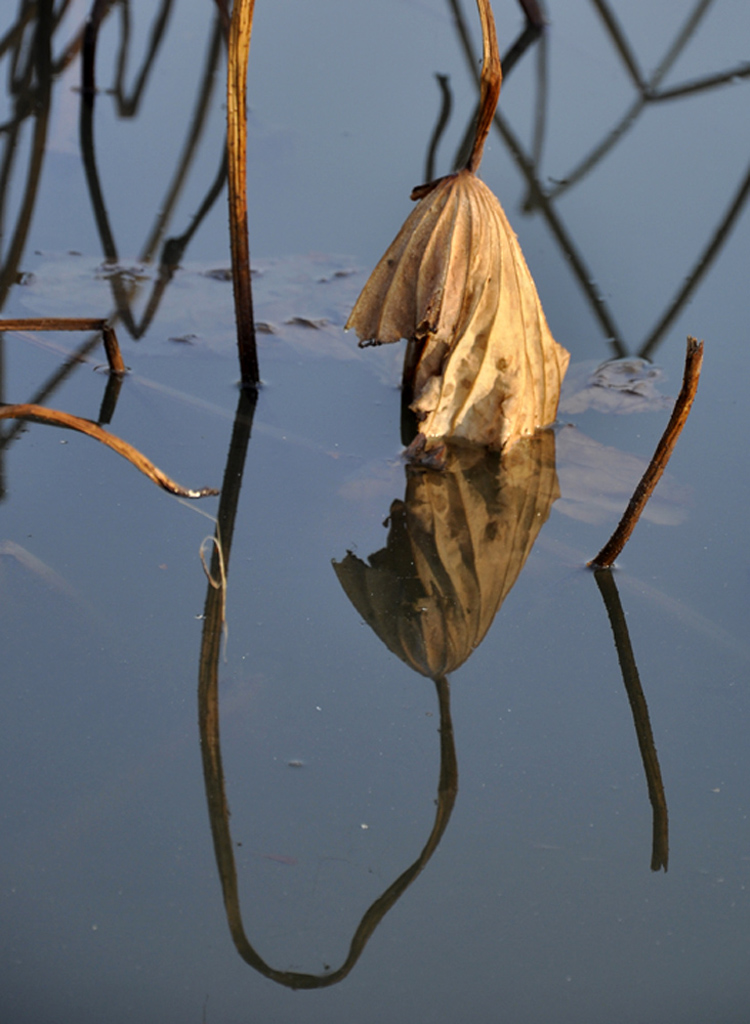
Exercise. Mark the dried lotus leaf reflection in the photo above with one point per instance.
(456, 546)
(481, 364)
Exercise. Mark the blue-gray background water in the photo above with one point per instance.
(538, 903)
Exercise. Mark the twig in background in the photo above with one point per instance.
(664, 449)
(446, 106)
(534, 13)
(55, 418)
(111, 345)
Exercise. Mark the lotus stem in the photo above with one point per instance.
(56, 418)
(490, 82)
(111, 345)
(239, 48)
(664, 449)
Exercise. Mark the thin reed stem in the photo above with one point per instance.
(664, 449)
(60, 323)
(239, 49)
(56, 418)
(490, 82)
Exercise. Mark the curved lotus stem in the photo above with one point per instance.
(55, 418)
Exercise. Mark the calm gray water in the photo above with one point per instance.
(446, 803)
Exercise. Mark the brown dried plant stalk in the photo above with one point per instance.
(239, 48)
(49, 323)
(481, 364)
(654, 470)
(55, 418)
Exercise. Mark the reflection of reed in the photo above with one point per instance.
(647, 89)
(43, 393)
(127, 105)
(456, 546)
(660, 841)
(648, 92)
(700, 267)
(31, 86)
(27, 48)
(173, 248)
(208, 714)
(219, 815)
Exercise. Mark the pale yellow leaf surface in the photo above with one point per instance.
(481, 363)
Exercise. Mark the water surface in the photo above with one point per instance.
(419, 835)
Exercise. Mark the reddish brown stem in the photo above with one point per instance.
(664, 449)
(490, 82)
(112, 348)
(55, 418)
(60, 323)
(239, 50)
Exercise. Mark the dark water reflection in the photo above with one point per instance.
(456, 545)
(351, 860)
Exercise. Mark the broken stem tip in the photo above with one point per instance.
(654, 470)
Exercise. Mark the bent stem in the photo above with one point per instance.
(111, 345)
(55, 418)
(219, 814)
(239, 48)
(664, 449)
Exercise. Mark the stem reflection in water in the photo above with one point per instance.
(456, 546)
(660, 843)
(208, 715)
(124, 288)
(27, 49)
(543, 197)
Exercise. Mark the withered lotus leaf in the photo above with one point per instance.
(481, 363)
